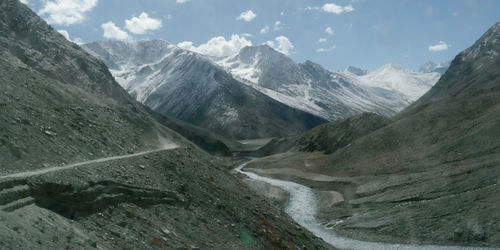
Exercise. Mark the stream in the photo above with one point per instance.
(302, 206)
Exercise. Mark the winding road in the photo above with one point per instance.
(165, 146)
(302, 208)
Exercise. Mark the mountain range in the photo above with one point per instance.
(190, 87)
(332, 95)
(255, 92)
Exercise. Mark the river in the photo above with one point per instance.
(302, 206)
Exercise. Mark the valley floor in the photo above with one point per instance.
(441, 207)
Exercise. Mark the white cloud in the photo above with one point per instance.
(246, 35)
(336, 9)
(169, 17)
(326, 49)
(278, 25)
(186, 45)
(282, 13)
(348, 8)
(66, 12)
(218, 46)
(438, 47)
(78, 41)
(181, 1)
(322, 40)
(141, 24)
(264, 30)
(329, 31)
(281, 44)
(24, 1)
(312, 8)
(111, 31)
(66, 35)
(247, 16)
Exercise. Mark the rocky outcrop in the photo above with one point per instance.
(74, 202)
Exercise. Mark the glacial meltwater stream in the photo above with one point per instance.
(302, 208)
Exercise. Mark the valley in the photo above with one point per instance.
(136, 142)
(307, 199)
(428, 175)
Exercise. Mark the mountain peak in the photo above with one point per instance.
(263, 50)
(113, 51)
(486, 47)
(254, 62)
(311, 63)
(462, 77)
(357, 71)
(392, 66)
(429, 67)
(394, 77)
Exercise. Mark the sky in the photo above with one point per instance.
(336, 34)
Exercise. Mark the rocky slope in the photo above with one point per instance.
(59, 105)
(190, 87)
(431, 175)
(331, 95)
(211, 142)
(328, 137)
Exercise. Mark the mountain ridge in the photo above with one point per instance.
(190, 87)
(311, 87)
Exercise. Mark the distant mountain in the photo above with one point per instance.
(190, 87)
(429, 67)
(332, 95)
(395, 78)
(203, 90)
(357, 71)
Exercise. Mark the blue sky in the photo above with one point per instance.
(336, 34)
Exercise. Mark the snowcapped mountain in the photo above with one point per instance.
(332, 95)
(226, 95)
(190, 87)
(429, 67)
(395, 78)
(357, 71)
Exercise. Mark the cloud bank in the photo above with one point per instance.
(142, 24)
(66, 12)
(218, 46)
